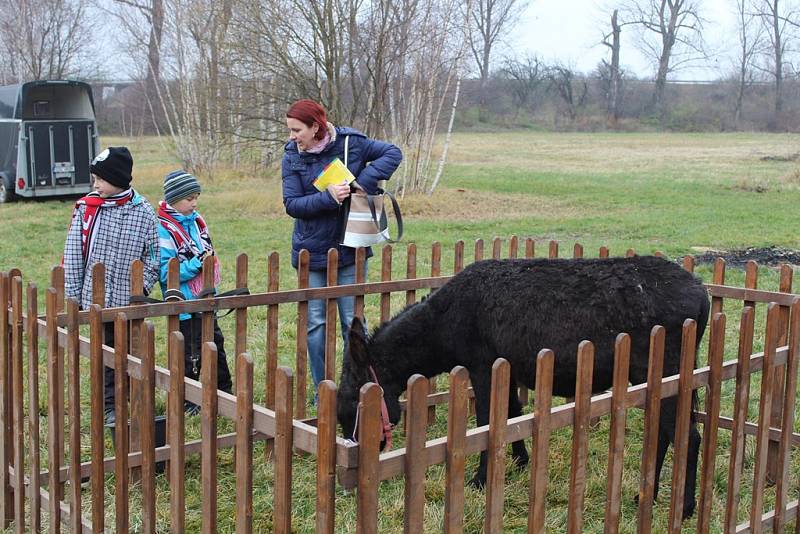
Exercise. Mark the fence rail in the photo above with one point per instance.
(281, 423)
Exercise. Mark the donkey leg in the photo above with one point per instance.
(481, 391)
(668, 422)
(691, 466)
(518, 450)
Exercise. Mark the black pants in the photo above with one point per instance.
(192, 336)
(192, 352)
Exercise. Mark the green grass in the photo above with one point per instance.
(676, 193)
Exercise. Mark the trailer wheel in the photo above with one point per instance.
(6, 190)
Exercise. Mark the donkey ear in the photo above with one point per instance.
(357, 343)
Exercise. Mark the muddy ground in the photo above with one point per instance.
(771, 256)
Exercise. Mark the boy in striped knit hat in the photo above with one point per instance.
(183, 234)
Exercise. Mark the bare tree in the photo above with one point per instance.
(571, 88)
(671, 35)
(778, 22)
(143, 23)
(614, 89)
(526, 75)
(750, 37)
(489, 19)
(44, 39)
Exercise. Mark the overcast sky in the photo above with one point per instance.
(570, 30)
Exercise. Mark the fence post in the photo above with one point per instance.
(326, 458)
(273, 277)
(411, 271)
(33, 408)
(330, 316)
(530, 248)
(96, 423)
(369, 435)
(778, 395)
(718, 278)
(478, 249)
(416, 425)
(17, 404)
(716, 348)
(244, 444)
(577, 250)
(121, 424)
(740, 402)
(57, 282)
(6, 419)
(580, 437)
(208, 432)
(135, 385)
(513, 247)
(283, 452)
(616, 434)
(361, 277)
(603, 253)
(55, 411)
(458, 257)
(552, 252)
(688, 263)
(148, 430)
(301, 352)
(497, 245)
(652, 412)
(541, 440)
(765, 407)
(177, 420)
(240, 345)
(386, 275)
(457, 413)
(73, 366)
(496, 450)
(782, 490)
(681, 444)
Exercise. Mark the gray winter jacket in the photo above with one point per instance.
(123, 234)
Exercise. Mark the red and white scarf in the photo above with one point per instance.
(185, 246)
(94, 202)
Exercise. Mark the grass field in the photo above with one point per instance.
(677, 193)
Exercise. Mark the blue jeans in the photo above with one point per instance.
(316, 317)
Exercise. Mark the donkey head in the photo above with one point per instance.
(359, 367)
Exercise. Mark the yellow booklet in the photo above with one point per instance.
(333, 173)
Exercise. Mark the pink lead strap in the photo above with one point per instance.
(387, 425)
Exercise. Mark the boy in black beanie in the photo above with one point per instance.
(114, 225)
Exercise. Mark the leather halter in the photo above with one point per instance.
(385, 422)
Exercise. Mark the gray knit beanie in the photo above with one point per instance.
(179, 185)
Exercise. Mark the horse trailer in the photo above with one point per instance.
(48, 137)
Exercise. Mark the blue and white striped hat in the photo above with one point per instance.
(179, 185)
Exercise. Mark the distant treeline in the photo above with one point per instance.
(581, 104)
(576, 103)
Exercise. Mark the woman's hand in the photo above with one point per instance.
(339, 192)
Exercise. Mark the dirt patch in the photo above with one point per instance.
(771, 256)
(782, 158)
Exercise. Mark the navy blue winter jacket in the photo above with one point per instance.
(315, 212)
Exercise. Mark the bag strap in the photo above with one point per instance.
(397, 214)
(346, 148)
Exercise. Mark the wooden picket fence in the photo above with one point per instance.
(29, 491)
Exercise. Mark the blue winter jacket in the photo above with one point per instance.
(315, 212)
(189, 268)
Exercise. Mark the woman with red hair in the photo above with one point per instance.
(313, 144)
